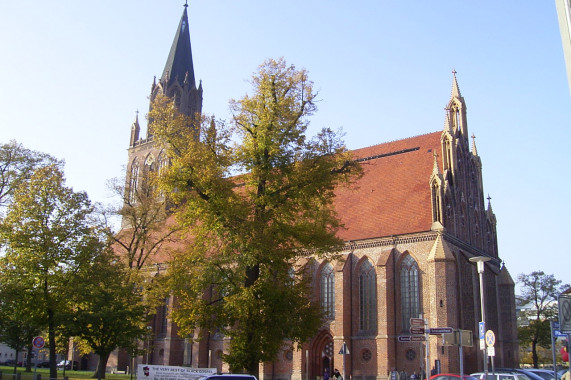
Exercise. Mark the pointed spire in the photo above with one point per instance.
(455, 88)
(135, 130)
(435, 168)
(489, 203)
(179, 61)
(474, 150)
(440, 250)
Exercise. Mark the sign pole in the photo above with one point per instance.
(461, 354)
(427, 355)
(551, 324)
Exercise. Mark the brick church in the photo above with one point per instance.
(412, 222)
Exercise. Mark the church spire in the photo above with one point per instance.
(456, 111)
(455, 87)
(179, 62)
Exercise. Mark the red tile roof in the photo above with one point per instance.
(393, 196)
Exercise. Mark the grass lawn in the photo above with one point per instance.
(7, 371)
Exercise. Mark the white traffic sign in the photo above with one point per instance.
(491, 351)
(344, 350)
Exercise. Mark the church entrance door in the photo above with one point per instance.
(321, 355)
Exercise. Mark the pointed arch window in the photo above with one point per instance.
(409, 291)
(327, 291)
(133, 182)
(164, 317)
(436, 203)
(367, 297)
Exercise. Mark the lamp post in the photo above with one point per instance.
(480, 260)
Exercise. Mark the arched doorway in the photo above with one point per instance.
(321, 355)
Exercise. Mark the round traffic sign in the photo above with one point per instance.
(38, 342)
(490, 338)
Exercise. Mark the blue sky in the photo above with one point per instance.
(75, 72)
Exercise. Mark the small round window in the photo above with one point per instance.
(410, 354)
(366, 354)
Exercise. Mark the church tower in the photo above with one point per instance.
(177, 82)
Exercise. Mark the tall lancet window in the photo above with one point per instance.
(436, 203)
(409, 291)
(367, 297)
(327, 291)
(133, 182)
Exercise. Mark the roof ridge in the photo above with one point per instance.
(394, 141)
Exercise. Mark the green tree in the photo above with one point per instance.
(17, 326)
(253, 209)
(48, 236)
(539, 292)
(17, 165)
(108, 314)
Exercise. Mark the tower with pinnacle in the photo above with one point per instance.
(178, 83)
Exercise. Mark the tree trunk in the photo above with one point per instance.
(101, 366)
(52, 344)
(534, 353)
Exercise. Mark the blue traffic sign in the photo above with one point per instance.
(482, 329)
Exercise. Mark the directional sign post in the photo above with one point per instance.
(440, 330)
(417, 330)
(411, 338)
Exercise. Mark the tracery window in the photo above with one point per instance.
(164, 316)
(133, 182)
(409, 290)
(367, 297)
(327, 291)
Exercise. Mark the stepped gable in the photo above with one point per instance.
(393, 197)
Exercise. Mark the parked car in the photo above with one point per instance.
(508, 374)
(67, 364)
(451, 376)
(231, 376)
(45, 364)
(546, 374)
(9, 362)
(499, 376)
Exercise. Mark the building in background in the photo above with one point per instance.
(412, 223)
(564, 16)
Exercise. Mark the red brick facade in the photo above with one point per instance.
(420, 198)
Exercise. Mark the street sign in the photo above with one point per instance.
(440, 330)
(564, 301)
(417, 330)
(411, 338)
(481, 333)
(491, 351)
(38, 342)
(454, 339)
(344, 350)
(417, 322)
(490, 338)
